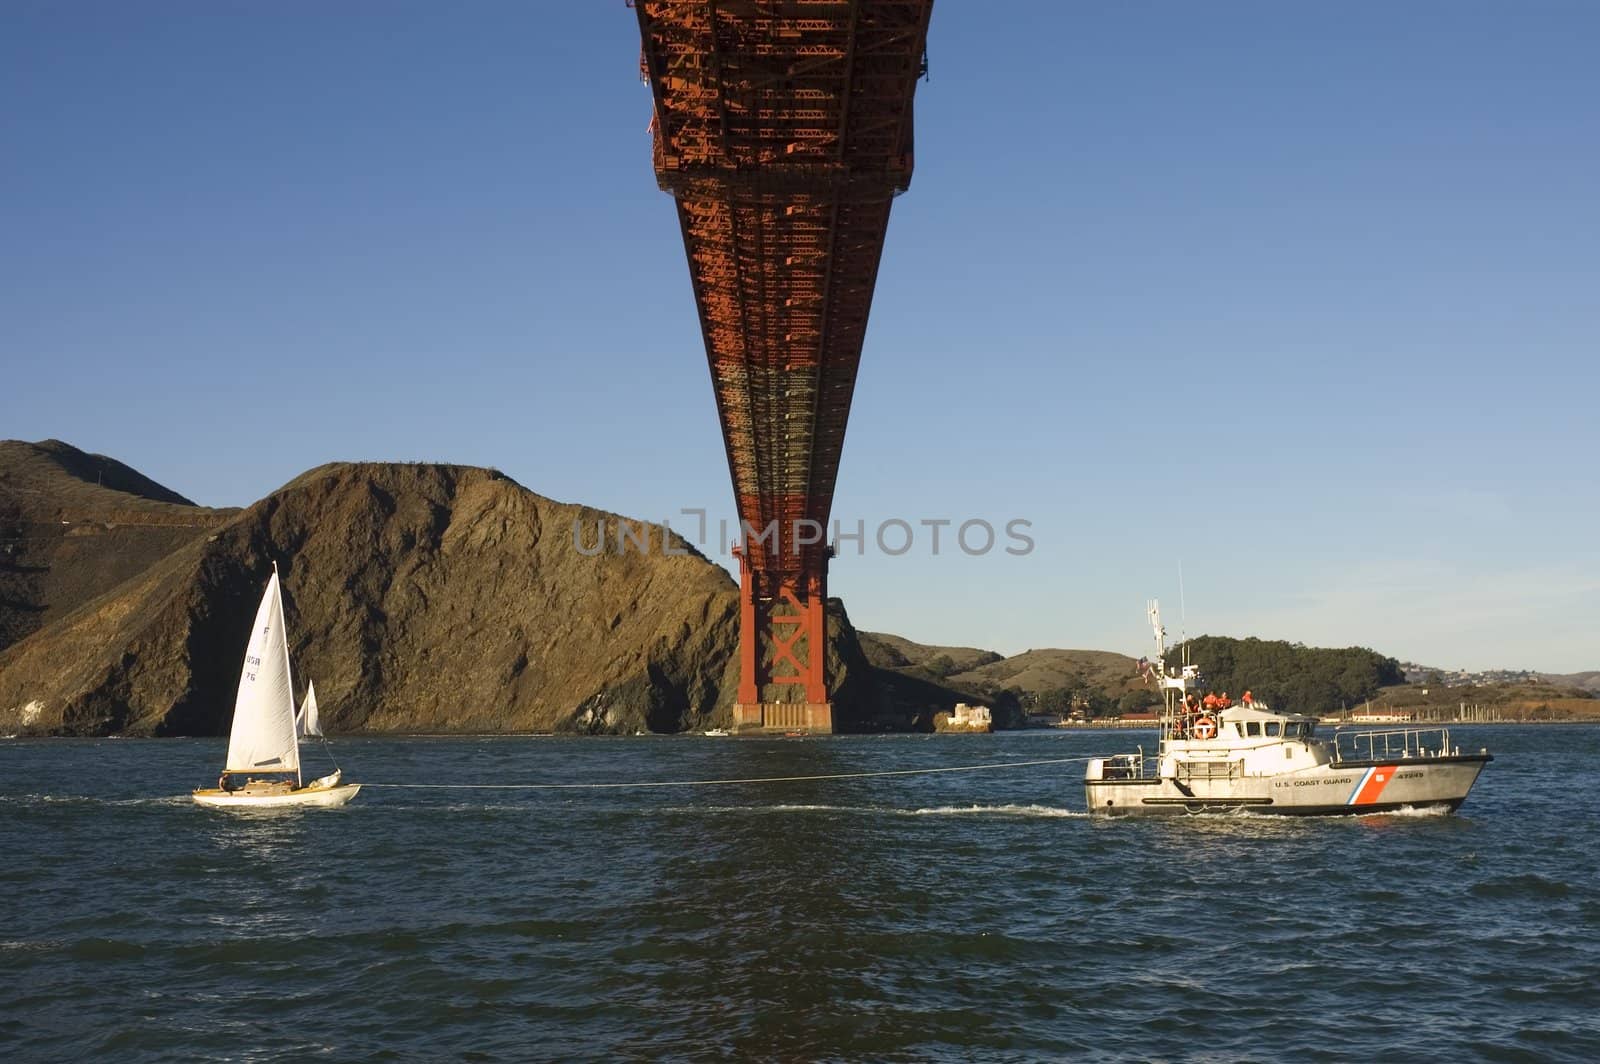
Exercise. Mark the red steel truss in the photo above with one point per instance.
(783, 129)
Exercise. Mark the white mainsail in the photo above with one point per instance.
(263, 736)
(308, 721)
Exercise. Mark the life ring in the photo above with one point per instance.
(1205, 728)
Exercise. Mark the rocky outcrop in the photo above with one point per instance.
(420, 598)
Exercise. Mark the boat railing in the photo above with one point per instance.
(1210, 769)
(1124, 767)
(1391, 743)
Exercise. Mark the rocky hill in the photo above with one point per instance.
(73, 525)
(419, 597)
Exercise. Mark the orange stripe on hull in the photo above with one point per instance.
(1375, 784)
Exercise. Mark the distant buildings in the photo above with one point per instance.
(1464, 677)
(965, 718)
(972, 716)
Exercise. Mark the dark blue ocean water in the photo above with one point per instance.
(956, 917)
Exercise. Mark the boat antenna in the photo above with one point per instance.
(1183, 615)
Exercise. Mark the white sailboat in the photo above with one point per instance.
(309, 725)
(264, 746)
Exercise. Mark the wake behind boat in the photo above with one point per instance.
(264, 743)
(1225, 758)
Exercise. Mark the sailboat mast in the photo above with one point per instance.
(288, 679)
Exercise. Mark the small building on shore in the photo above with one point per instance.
(1380, 717)
(965, 718)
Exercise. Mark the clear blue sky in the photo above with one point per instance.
(1302, 296)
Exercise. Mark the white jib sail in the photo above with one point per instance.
(263, 738)
(310, 724)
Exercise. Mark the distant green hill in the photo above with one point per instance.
(1290, 676)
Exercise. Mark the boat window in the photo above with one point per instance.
(1291, 729)
(1273, 726)
(1253, 728)
(1311, 728)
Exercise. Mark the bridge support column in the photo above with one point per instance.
(789, 691)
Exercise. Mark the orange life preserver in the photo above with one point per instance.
(1205, 728)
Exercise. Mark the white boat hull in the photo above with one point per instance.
(1339, 788)
(315, 796)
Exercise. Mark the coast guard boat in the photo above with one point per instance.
(1251, 758)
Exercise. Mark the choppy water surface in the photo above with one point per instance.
(951, 917)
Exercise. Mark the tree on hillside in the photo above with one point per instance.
(1056, 701)
(1006, 705)
(1134, 701)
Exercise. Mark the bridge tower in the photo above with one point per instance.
(783, 129)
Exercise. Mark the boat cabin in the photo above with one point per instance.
(1260, 741)
(1246, 723)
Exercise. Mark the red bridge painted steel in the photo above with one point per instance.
(784, 131)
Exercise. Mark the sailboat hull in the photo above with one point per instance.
(313, 795)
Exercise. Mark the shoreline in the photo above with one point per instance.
(1086, 726)
(1367, 725)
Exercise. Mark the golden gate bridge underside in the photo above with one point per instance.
(783, 130)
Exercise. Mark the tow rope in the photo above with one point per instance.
(717, 783)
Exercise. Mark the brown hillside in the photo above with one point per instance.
(1011, 684)
(420, 598)
(1037, 671)
(73, 525)
(895, 652)
(1586, 681)
(1520, 701)
(53, 476)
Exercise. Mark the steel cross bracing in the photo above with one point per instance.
(783, 130)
